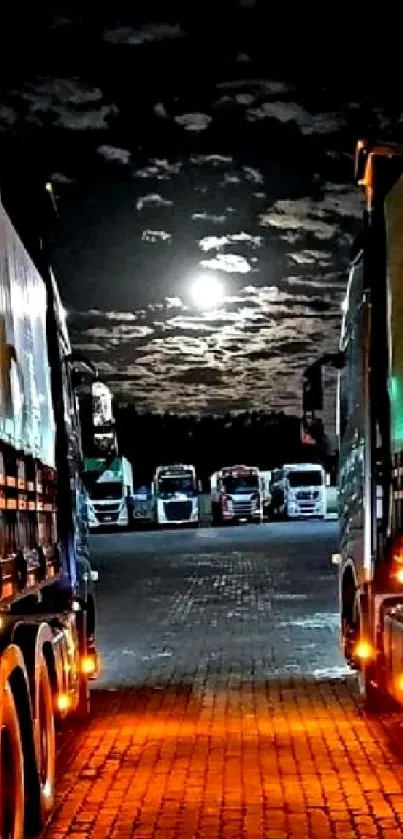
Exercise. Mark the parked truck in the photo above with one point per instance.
(370, 431)
(236, 495)
(47, 608)
(110, 496)
(298, 490)
(176, 495)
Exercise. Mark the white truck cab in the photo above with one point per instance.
(109, 496)
(299, 491)
(176, 495)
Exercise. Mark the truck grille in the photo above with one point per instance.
(307, 495)
(242, 508)
(107, 508)
(178, 510)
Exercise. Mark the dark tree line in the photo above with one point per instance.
(264, 439)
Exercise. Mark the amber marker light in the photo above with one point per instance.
(363, 650)
(63, 701)
(88, 665)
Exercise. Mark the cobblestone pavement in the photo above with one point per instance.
(224, 709)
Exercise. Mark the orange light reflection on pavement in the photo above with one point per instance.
(278, 760)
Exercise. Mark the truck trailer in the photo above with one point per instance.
(47, 607)
(370, 432)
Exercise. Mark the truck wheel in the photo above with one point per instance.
(42, 783)
(11, 771)
(45, 742)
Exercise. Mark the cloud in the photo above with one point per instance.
(228, 262)
(159, 169)
(194, 122)
(199, 375)
(209, 243)
(8, 117)
(114, 155)
(311, 257)
(215, 160)
(342, 199)
(301, 216)
(160, 110)
(155, 236)
(153, 32)
(215, 219)
(250, 352)
(153, 199)
(61, 179)
(66, 103)
(253, 175)
(269, 87)
(291, 112)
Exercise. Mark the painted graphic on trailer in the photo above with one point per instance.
(26, 414)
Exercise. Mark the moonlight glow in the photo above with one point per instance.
(207, 291)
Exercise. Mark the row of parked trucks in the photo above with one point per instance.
(244, 493)
(238, 493)
(113, 501)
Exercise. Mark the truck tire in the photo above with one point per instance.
(42, 780)
(11, 770)
(45, 742)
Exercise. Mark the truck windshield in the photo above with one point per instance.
(305, 479)
(180, 483)
(242, 484)
(107, 490)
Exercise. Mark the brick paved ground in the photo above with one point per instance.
(214, 745)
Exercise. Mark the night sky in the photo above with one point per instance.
(199, 143)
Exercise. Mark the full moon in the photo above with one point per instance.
(207, 291)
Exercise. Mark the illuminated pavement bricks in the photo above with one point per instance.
(224, 709)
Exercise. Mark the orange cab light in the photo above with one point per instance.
(63, 701)
(363, 650)
(399, 575)
(397, 549)
(399, 682)
(88, 665)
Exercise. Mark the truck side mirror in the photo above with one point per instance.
(81, 369)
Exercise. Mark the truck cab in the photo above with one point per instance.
(176, 495)
(110, 496)
(299, 491)
(236, 495)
